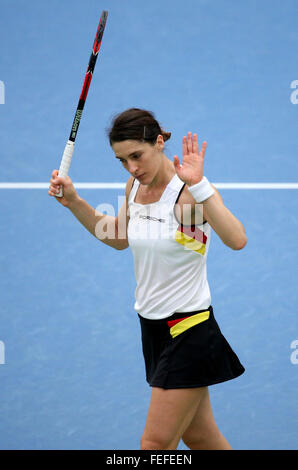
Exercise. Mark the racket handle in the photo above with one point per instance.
(65, 163)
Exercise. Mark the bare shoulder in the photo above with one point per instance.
(129, 186)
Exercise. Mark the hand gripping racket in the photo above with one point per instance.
(69, 148)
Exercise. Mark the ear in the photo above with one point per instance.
(160, 142)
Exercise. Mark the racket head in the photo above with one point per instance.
(100, 31)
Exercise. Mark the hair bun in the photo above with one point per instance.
(166, 135)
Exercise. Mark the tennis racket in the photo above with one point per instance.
(69, 148)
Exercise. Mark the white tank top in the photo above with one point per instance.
(169, 259)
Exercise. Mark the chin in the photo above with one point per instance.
(142, 179)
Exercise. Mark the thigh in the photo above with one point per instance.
(203, 427)
(170, 413)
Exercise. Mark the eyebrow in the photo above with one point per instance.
(130, 155)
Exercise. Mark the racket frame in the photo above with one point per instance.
(69, 147)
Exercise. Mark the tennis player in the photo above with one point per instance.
(166, 220)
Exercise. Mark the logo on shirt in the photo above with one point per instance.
(148, 217)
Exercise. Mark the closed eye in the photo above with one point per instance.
(133, 156)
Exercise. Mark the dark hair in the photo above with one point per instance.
(136, 124)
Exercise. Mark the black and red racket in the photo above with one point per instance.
(69, 148)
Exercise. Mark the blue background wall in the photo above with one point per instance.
(73, 376)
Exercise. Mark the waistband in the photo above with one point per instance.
(175, 316)
(179, 322)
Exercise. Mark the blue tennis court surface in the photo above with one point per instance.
(71, 366)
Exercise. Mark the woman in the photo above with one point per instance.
(166, 220)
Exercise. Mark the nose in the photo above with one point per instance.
(132, 168)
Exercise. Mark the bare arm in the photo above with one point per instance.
(110, 230)
(224, 223)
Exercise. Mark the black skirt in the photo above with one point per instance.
(187, 350)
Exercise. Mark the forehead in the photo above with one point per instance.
(126, 147)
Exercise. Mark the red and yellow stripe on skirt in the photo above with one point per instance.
(192, 238)
(182, 324)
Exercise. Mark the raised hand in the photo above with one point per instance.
(191, 169)
(69, 192)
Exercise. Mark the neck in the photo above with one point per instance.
(165, 173)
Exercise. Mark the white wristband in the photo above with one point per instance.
(202, 190)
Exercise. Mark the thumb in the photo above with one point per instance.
(60, 180)
(176, 162)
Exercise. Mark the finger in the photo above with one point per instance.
(176, 162)
(203, 149)
(184, 146)
(189, 142)
(53, 180)
(59, 180)
(195, 144)
(52, 192)
(54, 189)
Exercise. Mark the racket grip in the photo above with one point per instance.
(65, 163)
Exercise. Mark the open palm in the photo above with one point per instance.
(191, 169)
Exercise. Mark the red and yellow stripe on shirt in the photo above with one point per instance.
(182, 324)
(192, 238)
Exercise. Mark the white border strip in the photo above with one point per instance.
(256, 185)
(77, 185)
(122, 185)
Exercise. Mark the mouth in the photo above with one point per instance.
(140, 176)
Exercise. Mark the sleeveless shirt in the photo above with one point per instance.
(169, 258)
